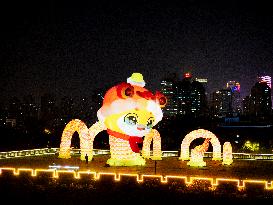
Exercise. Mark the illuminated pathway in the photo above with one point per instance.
(139, 178)
(170, 168)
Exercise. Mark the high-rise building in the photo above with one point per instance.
(236, 101)
(222, 103)
(167, 88)
(186, 97)
(203, 81)
(246, 105)
(191, 98)
(266, 79)
(260, 100)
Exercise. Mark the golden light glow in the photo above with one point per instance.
(47, 131)
(227, 154)
(200, 133)
(197, 155)
(155, 136)
(73, 126)
(129, 111)
(122, 154)
(241, 184)
(252, 146)
(86, 138)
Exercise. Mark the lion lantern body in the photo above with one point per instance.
(128, 113)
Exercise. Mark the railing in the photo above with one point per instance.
(252, 156)
(50, 151)
(28, 153)
(234, 155)
(74, 172)
(95, 151)
(45, 151)
(245, 156)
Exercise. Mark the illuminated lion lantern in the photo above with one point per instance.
(128, 113)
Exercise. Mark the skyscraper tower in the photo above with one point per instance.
(167, 88)
(260, 104)
(236, 101)
(185, 97)
(204, 82)
(265, 78)
(222, 103)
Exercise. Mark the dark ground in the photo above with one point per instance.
(240, 169)
(44, 189)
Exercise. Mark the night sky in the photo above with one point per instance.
(72, 48)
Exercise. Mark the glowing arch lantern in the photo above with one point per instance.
(227, 154)
(86, 138)
(129, 111)
(155, 136)
(72, 127)
(200, 133)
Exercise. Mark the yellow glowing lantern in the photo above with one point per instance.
(227, 154)
(128, 113)
(197, 154)
(200, 133)
(86, 138)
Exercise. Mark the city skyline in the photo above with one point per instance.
(72, 48)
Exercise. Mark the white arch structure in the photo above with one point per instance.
(200, 133)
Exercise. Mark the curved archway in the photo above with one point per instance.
(200, 133)
(86, 138)
(155, 136)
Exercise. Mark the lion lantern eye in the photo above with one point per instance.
(131, 119)
(150, 123)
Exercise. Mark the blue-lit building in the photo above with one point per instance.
(236, 102)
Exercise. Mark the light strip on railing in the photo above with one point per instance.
(50, 151)
(140, 178)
